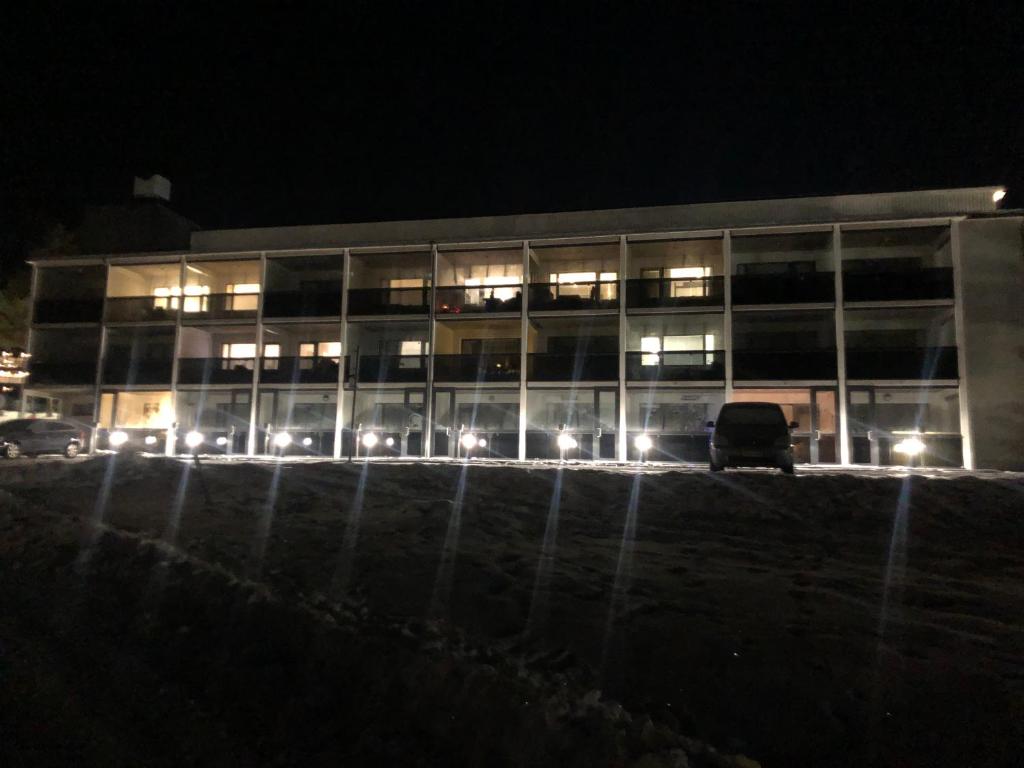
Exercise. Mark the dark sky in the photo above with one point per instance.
(376, 111)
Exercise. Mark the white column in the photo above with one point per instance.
(170, 440)
(28, 338)
(621, 444)
(727, 313)
(844, 427)
(98, 397)
(966, 435)
(524, 334)
(339, 407)
(250, 447)
(428, 393)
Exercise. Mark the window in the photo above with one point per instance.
(196, 298)
(650, 346)
(244, 297)
(406, 297)
(688, 281)
(330, 349)
(490, 286)
(653, 346)
(270, 354)
(569, 284)
(411, 354)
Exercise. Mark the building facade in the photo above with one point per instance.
(888, 326)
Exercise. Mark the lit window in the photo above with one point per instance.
(307, 350)
(270, 354)
(651, 347)
(411, 354)
(688, 281)
(406, 297)
(330, 349)
(491, 287)
(196, 298)
(237, 351)
(244, 297)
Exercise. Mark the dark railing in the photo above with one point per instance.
(901, 363)
(485, 367)
(789, 288)
(392, 368)
(454, 300)
(219, 306)
(600, 366)
(783, 364)
(389, 301)
(139, 309)
(68, 310)
(119, 368)
(322, 302)
(298, 370)
(574, 296)
(64, 372)
(676, 292)
(902, 285)
(215, 370)
(675, 366)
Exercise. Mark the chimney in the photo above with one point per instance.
(156, 187)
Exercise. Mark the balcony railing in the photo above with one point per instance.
(138, 309)
(64, 372)
(120, 368)
(392, 368)
(68, 310)
(601, 294)
(546, 366)
(902, 285)
(220, 306)
(790, 288)
(901, 363)
(485, 367)
(783, 364)
(299, 370)
(322, 302)
(675, 366)
(455, 300)
(389, 301)
(215, 370)
(675, 292)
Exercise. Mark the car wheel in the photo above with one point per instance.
(72, 450)
(12, 451)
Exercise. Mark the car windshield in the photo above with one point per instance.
(753, 415)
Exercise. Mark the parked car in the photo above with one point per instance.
(33, 436)
(751, 435)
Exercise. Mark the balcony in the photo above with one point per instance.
(675, 292)
(901, 363)
(139, 309)
(68, 310)
(318, 302)
(456, 300)
(392, 368)
(903, 285)
(215, 370)
(63, 372)
(675, 366)
(783, 364)
(122, 369)
(298, 370)
(789, 288)
(389, 301)
(598, 294)
(489, 367)
(547, 366)
(220, 306)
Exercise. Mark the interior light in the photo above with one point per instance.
(482, 442)
(998, 195)
(369, 440)
(469, 441)
(643, 443)
(911, 446)
(118, 438)
(150, 440)
(194, 439)
(282, 440)
(222, 440)
(566, 442)
(307, 441)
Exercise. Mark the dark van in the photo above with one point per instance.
(751, 435)
(23, 437)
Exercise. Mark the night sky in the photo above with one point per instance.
(383, 111)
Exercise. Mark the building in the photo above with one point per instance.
(872, 319)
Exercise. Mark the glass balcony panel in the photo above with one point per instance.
(65, 372)
(454, 300)
(675, 292)
(676, 366)
(299, 370)
(69, 294)
(310, 301)
(546, 366)
(389, 301)
(901, 264)
(898, 284)
(488, 367)
(790, 288)
(219, 306)
(902, 363)
(139, 309)
(392, 368)
(784, 364)
(596, 294)
(68, 310)
(303, 286)
(125, 370)
(783, 268)
(215, 370)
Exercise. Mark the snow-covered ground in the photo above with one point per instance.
(832, 618)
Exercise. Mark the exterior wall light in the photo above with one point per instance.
(150, 440)
(566, 442)
(282, 440)
(307, 441)
(643, 443)
(910, 446)
(998, 195)
(369, 440)
(469, 441)
(389, 441)
(117, 438)
(194, 439)
(222, 440)
(482, 442)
